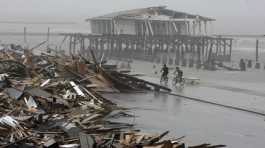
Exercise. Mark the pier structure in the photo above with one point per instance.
(154, 34)
(175, 49)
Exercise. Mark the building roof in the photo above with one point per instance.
(155, 13)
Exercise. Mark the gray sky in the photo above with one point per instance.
(233, 16)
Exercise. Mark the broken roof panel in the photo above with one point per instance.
(142, 13)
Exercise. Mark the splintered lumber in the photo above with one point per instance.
(121, 85)
(216, 146)
(206, 145)
(156, 139)
(18, 141)
(117, 83)
(166, 144)
(54, 101)
(156, 86)
(74, 73)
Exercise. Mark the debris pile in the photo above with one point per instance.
(54, 101)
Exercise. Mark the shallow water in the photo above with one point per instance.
(201, 122)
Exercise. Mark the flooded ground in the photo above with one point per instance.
(240, 89)
(201, 122)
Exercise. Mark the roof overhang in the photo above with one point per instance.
(142, 13)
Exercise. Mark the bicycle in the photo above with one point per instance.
(177, 80)
(164, 79)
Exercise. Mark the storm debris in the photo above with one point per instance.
(55, 101)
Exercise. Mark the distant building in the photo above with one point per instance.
(150, 21)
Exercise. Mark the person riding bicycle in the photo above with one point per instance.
(164, 71)
(178, 75)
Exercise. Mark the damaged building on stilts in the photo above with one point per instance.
(155, 34)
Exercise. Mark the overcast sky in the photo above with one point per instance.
(233, 16)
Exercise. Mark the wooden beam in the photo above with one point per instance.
(257, 50)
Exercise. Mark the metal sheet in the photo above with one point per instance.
(86, 141)
(14, 93)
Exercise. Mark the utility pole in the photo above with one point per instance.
(25, 37)
(257, 50)
(48, 38)
(257, 66)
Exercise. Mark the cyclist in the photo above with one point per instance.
(164, 71)
(178, 75)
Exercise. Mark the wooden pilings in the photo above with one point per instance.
(257, 50)
(177, 49)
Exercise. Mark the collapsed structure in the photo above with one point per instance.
(150, 21)
(55, 101)
(154, 34)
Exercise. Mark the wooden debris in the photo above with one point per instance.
(55, 101)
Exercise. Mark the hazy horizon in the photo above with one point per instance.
(232, 16)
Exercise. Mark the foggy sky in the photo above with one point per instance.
(233, 16)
